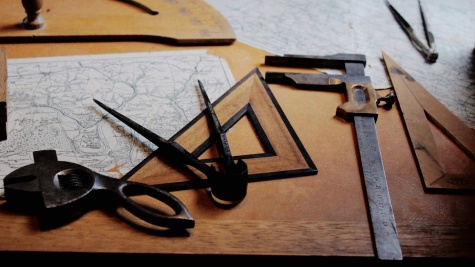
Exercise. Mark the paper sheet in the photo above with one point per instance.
(50, 105)
(324, 27)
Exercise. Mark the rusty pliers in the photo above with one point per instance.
(60, 192)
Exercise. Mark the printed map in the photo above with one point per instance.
(50, 105)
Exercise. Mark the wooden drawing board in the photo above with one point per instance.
(317, 215)
(178, 22)
(249, 103)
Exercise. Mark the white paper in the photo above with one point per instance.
(50, 105)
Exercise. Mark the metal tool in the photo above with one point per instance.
(60, 192)
(281, 154)
(417, 107)
(361, 109)
(140, 6)
(229, 188)
(429, 51)
(234, 180)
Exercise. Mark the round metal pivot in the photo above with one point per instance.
(229, 189)
(34, 20)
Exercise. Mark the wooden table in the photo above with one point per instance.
(321, 215)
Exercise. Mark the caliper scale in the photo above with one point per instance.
(361, 109)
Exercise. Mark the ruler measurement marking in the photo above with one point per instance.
(383, 223)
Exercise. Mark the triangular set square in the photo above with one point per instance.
(275, 152)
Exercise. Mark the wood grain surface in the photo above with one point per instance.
(317, 215)
(320, 215)
(179, 22)
(3, 94)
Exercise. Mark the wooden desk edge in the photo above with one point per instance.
(225, 238)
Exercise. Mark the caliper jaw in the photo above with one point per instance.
(353, 80)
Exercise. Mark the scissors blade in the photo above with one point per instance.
(170, 149)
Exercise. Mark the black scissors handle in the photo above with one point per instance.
(125, 190)
(59, 192)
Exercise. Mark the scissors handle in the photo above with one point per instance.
(59, 192)
(125, 190)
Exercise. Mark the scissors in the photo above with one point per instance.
(429, 51)
(59, 192)
(228, 188)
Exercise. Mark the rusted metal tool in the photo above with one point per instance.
(429, 51)
(60, 192)
(361, 109)
(232, 187)
(227, 188)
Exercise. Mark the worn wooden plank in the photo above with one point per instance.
(318, 215)
(3, 94)
(178, 22)
(103, 232)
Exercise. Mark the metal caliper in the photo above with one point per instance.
(361, 109)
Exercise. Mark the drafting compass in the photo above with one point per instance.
(228, 187)
(249, 102)
(429, 51)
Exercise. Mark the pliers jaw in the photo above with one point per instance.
(23, 193)
(37, 189)
(59, 192)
